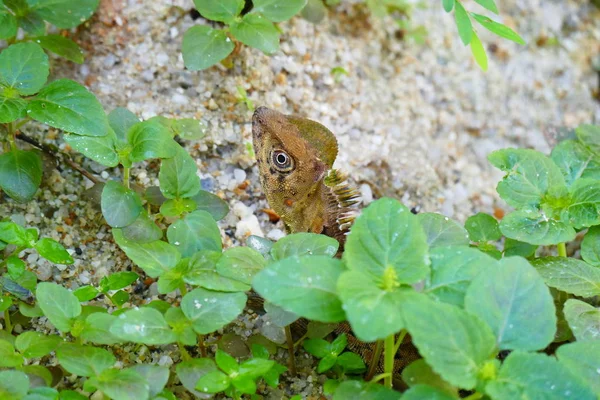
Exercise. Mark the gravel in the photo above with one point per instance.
(413, 121)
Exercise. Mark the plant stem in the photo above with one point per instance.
(378, 378)
(184, 353)
(474, 396)
(7, 325)
(126, 177)
(201, 345)
(290, 343)
(299, 341)
(183, 289)
(388, 359)
(11, 136)
(400, 340)
(562, 249)
(374, 360)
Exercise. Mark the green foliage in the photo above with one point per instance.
(332, 355)
(204, 47)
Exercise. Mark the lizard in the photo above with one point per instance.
(295, 158)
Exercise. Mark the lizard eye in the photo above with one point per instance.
(282, 161)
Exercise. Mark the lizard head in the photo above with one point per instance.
(293, 156)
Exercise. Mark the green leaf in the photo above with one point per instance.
(357, 390)
(15, 266)
(584, 209)
(419, 373)
(182, 327)
(42, 393)
(173, 278)
(64, 14)
(150, 139)
(177, 207)
(86, 293)
(317, 347)
(489, 5)
(53, 251)
(66, 105)
(483, 227)
(97, 329)
(459, 346)
(189, 372)
(14, 234)
(448, 5)
(530, 176)
(575, 161)
(32, 23)
(19, 7)
(442, 231)
(8, 357)
(155, 258)
(143, 325)
(351, 363)
(34, 344)
(452, 270)
(589, 135)
(314, 12)
(61, 46)
(120, 205)
(536, 376)
(196, 231)
(71, 395)
(101, 149)
(224, 10)
(155, 375)
(213, 382)
(142, 230)
(326, 363)
(514, 301)
(590, 247)
(121, 120)
(569, 275)
(212, 204)
(8, 25)
(256, 31)
(278, 11)
(204, 47)
(209, 311)
(583, 360)
(226, 363)
(20, 174)
(118, 280)
(122, 384)
(11, 108)
(387, 237)
(58, 304)
(536, 228)
(478, 52)
(515, 248)
(13, 385)
(303, 285)
(240, 263)
(497, 28)
(203, 272)
(260, 244)
(84, 360)
(583, 319)
(303, 243)
(278, 315)
(463, 23)
(421, 392)
(178, 177)
(24, 67)
(188, 128)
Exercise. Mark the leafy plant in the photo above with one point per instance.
(204, 46)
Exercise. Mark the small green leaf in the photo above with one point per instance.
(213, 382)
(101, 149)
(326, 363)
(386, 237)
(256, 31)
(303, 285)
(122, 384)
(278, 11)
(24, 67)
(58, 304)
(448, 5)
(260, 244)
(459, 346)
(143, 325)
(97, 329)
(209, 311)
(173, 278)
(196, 231)
(86, 293)
(463, 23)
(278, 315)
(204, 47)
(188, 128)
(84, 360)
(442, 231)
(212, 204)
(203, 273)
(177, 207)
(419, 373)
(351, 363)
(569, 275)
(120, 205)
(226, 363)
(117, 281)
(20, 174)
(121, 120)
(358, 390)
(314, 12)
(584, 209)
(8, 357)
(300, 244)
(53, 251)
(583, 319)
(189, 372)
(182, 327)
(8, 25)
(66, 105)
(61, 46)
(536, 376)
(488, 4)
(421, 391)
(590, 247)
(13, 385)
(64, 14)
(317, 347)
(223, 10)
(515, 248)
(32, 23)
(478, 52)
(575, 161)
(536, 228)
(497, 28)
(15, 266)
(178, 177)
(14, 234)
(11, 108)
(583, 360)
(240, 263)
(589, 135)
(514, 301)
(156, 376)
(150, 139)
(483, 228)
(142, 230)
(155, 258)
(34, 344)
